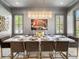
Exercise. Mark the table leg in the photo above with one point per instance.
(39, 50)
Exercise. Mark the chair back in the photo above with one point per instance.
(47, 46)
(74, 38)
(61, 46)
(32, 46)
(17, 47)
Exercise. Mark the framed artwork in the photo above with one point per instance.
(38, 24)
(4, 25)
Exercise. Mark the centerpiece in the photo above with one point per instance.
(39, 34)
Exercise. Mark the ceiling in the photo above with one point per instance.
(39, 3)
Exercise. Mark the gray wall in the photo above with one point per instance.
(7, 14)
(70, 19)
(27, 21)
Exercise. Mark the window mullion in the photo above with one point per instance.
(18, 24)
(59, 24)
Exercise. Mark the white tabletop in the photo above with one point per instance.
(32, 38)
(66, 39)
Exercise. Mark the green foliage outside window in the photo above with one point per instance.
(59, 24)
(77, 23)
(18, 24)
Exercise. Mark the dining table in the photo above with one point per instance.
(26, 38)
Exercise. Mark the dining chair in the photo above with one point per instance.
(47, 46)
(62, 46)
(74, 44)
(17, 47)
(31, 46)
(4, 45)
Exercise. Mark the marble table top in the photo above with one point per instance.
(26, 38)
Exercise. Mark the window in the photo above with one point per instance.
(77, 23)
(18, 24)
(59, 24)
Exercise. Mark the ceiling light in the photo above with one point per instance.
(17, 3)
(61, 3)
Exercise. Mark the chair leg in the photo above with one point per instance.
(51, 55)
(39, 54)
(28, 54)
(55, 54)
(24, 55)
(67, 55)
(77, 49)
(1, 53)
(11, 55)
(64, 56)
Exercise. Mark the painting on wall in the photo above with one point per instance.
(3, 24)
(38, 24)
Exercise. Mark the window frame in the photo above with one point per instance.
(75, 22)
(59, 21)
(21, 24)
